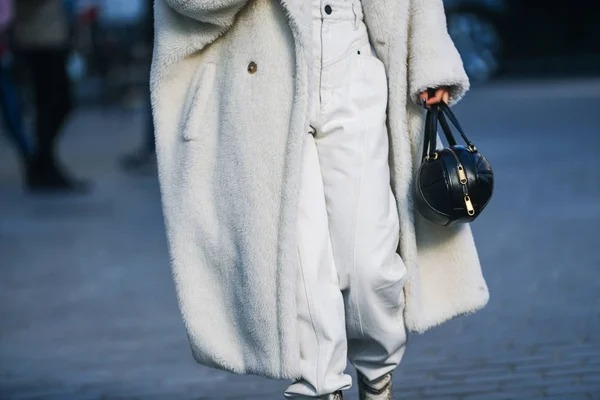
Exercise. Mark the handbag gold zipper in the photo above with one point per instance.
(461, 171)
(470, 209)
(462, 175)
(463, 180)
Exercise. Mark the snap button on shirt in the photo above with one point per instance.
(252, 67)
(328, 9)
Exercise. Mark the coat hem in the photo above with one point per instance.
(425, 325)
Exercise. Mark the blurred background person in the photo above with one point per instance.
(10, 105)
(143, 159)
(42, 39)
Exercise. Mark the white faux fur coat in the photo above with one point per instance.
(229, 142)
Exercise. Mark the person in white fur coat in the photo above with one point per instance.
(288, 133)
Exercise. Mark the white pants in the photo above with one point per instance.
(350, 293)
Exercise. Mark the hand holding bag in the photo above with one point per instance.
(454, 184)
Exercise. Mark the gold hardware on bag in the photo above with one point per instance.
(462, 175)
(472, 149)
(470, 209)
(435, 156)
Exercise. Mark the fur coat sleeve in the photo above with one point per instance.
(433, 60)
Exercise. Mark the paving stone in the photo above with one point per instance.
(570, 397)
(575, 389)
(504, 396)
(572, 371)
(499, 370)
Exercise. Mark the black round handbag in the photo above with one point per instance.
(454, 184)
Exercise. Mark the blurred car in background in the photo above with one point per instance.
(533, 38)
(548, 38)
(476, 29)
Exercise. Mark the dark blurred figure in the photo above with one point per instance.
(10, 105)
(143, 159)
(42, 39)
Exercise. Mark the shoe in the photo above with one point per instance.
(380, 389)
(47, 177)
(337, 396)
(140, 162)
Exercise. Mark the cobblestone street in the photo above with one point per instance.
(87, 304)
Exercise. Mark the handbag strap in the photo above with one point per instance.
(426, 134)
(448, 112)
(439, 112)
(446, 129)
(431, 126)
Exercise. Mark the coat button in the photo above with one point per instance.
(328, 9)
(252, 67)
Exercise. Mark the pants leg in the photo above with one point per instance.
(10, 107)
(350, 292)
(48, 69)
(319, 300)
(352, 144)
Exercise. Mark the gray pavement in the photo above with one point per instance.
(87, 306)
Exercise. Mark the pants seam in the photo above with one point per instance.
(357, 206)
(312, 319)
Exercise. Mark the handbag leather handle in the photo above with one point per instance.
(431, 125)
(435, 113)
(446, 129)
(431, 128)
(448, 112)
(426, 135)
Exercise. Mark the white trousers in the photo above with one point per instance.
(350, 292)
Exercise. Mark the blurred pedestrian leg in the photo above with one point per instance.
(43, 41)
(10, 107)
(143, 159)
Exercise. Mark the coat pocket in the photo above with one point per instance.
(200, 96)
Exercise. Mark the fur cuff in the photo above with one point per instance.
(433, 60)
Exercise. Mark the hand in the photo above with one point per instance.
(441, 94)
